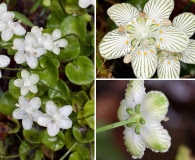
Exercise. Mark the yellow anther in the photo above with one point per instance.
(157, 25)
(127, 42)
(162, 61)
(146, 18)
(133, 22)
(152, 51)
(157, 46)
(138, 52)
(145, 53)
(160, 31)
(128, 27)
(169, 62)
(161, 39)
(176, 59)
(132, 48)
(153, 20)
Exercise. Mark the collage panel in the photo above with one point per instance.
(47, 108)
(151, 119)
(145, 39)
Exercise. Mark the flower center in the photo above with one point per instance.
(142, 30)
(27, 82)
(56, 117)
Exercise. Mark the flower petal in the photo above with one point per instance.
(2, 25)
(186, 23)
(114, 45)
(62, 43)
(18, 113)
(27, 123)
(84, 3)
(4, 61)
(122, 113)
(155, 137)
(122, 13)
(18, 82)
(24, 91)
(20, 57)
(65, 111)
(44, 120)
(154, 106)
(168, 68)
(65, 123)
(18, 44)
(56, 34)
(53, 129)
(172, 39)
(134, 93)
(188, 56)
(37, 31)
(51, 108)
(35, 103)
(6, 34)
(33, 89)
(23, 101)
(56, 50)
(34, 78)
(25, 74)
(32, 61)
(144, 62)
(134, 143)
(18, 29)
(0, 74)
(36, 114)
(159, 9)
(3, 7)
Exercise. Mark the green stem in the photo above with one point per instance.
(5, 77)
(61, 5)
(133, 119)
(64, 156)
(13, 69)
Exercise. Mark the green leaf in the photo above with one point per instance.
(74, 24)
(23, 18)
(54, 143)
(72, 50)
(35, 6)
(59, 91)
(15, 91)
(89, 113)
(83, 134)
(80, 71)
(34, 135)
(75, 156)
(92, 92)
(7, 103)
(72, 7)
(49, 75)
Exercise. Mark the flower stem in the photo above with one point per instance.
(133, 119)
(13, 69)
(61, 5)
(5, 77)
(64, 156)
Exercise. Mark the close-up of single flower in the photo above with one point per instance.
(27, 111)
(146, 110)
(168, 62)
(86, 3)
(8, 27)
(53, 42)
(27, 83)
(4, 62)
(29, 49)
(140, 35)
(55, 118)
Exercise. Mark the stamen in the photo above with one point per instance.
(142, 14)
(127, 42)
(121, 29)
(169, 62)
(160, 31)
(145, 53)
(161, 39)
(152, 51)
(127, 59)
(138, 52)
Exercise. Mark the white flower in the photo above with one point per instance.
(27, 111)
(7, 25)
(55, 118)
(151, 109)
(27, 83)
(4, 62)
(29, 49)
(140, 34)
(168, 62)
(53, 42)
(86, 3)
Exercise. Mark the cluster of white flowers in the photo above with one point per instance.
(54, 119)
(149, 40)
(86, 3)
(149, 109)
(7, 25)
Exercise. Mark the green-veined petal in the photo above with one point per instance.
(114, 45)
(134, 93)
(144, 62)
(134, 143)
(168, 68)
(122, 113)
(155, 137)
(122, 13)
(186, 23)
(188, 56)
(159, 9)
(172, 39)
(154, 106)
